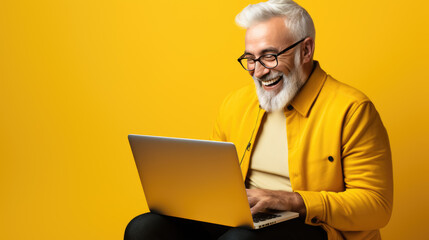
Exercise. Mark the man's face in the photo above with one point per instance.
(275, 87)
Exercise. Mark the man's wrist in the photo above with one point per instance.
(299, 205)
(292, 201)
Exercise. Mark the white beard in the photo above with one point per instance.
(272, 101)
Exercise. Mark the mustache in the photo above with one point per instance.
(271, 75)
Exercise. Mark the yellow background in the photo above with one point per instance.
(77, 76)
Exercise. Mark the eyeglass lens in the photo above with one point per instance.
(268, 61)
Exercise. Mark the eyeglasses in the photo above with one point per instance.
(266, 60)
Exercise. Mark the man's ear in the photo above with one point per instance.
(307, 49)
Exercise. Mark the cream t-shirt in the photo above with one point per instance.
(269, 163)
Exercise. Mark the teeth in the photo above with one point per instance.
(266, 83)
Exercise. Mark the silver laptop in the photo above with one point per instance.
(196, 179)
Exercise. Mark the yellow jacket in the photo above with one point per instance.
(339, 153)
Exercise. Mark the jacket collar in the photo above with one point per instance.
(306, 97)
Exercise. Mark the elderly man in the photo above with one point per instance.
(307, 143)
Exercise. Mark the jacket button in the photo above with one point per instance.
(330, 158)
(314, 220)
(290, 107)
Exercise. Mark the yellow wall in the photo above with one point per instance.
(77, 76)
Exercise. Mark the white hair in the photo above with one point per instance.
(298, 20)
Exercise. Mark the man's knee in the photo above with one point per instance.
(147, 226)
(136, 227)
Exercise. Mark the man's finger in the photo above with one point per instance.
(252, 201)
(259, 207)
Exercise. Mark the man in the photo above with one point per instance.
(307, 143)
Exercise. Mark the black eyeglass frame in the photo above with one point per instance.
(275, 55)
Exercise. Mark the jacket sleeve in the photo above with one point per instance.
(366, 203)
(217, 134)
(222, 126)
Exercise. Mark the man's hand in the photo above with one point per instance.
(263, 199)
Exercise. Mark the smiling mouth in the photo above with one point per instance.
(271, 82)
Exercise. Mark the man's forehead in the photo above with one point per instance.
(272, 33)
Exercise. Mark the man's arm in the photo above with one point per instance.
(366, 203)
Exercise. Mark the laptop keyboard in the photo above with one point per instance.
(259, 217)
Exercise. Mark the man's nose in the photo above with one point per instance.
(260, 70)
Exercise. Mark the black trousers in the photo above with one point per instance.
(159, 227)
